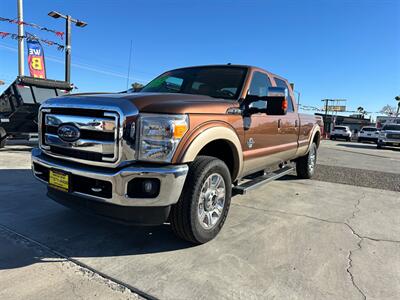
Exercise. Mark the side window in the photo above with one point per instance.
(282, 83)
(259, 87)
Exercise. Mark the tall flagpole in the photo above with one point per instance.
(21, 63)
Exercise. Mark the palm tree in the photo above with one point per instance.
(361, 111)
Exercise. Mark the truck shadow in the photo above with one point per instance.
(26, 213)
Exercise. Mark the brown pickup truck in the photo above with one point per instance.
(177, 150)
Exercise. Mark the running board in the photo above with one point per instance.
(258, 181)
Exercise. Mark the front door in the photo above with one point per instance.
(260, 131)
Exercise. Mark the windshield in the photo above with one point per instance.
(392, 127)
(340, 128)
(217, 82)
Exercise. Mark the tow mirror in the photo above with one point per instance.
(276, 102)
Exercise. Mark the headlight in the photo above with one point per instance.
(159, 136)
(382, 134)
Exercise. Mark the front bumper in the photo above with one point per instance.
(389, 142)
(171, 178)
(368, 138)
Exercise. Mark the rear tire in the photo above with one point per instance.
(203, 206)
(305, 165)
(3, 137)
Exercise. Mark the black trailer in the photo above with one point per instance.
(19, 105)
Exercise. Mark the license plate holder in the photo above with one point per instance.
(60, 180)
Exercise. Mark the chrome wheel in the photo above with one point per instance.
(312, 158)
(211, 201)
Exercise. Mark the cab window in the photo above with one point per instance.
(281, 83)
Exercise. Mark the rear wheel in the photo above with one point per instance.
(201, 211)
(3, 137)
(305, 165)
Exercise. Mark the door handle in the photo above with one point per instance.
(279, 123)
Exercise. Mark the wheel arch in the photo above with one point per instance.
(220, 142)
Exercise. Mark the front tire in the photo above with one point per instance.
(305, 165)
(200, 212)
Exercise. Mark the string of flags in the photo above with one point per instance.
(30, 37)
(60, 34)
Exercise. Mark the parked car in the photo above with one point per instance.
(368, 133)
(389, 136)
(177, 150)
(341, 132)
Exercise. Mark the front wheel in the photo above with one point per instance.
(305, 165)
(200, 213)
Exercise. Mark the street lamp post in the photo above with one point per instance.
(68, 20)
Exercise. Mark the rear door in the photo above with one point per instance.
(289, 125)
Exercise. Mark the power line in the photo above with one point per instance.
(81, 66)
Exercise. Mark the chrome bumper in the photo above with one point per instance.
(172, 179)
(388, 141)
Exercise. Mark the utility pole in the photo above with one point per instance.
(397, 98)
(326, 110)
(68, 21)
(68, 49)
(326, 116)
(20, 14)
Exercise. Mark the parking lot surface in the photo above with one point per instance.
(334, 237)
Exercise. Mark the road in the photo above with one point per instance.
(334, 237)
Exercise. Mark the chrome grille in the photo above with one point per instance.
(393, 135)
(98, 140)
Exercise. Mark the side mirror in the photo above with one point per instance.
(276, 102)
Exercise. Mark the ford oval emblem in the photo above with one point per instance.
(68, 132)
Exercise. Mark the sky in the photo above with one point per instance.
(346, 49)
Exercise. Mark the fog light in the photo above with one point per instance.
(143, 188)
(148, 186)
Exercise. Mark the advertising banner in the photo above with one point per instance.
(36, 64)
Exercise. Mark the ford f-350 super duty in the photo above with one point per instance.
(177, 150)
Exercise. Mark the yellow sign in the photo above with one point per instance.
(336, 108)
(59, 180)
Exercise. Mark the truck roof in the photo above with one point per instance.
(249, 67)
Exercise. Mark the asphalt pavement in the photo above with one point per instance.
(290, 239)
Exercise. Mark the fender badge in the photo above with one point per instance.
(250, 142)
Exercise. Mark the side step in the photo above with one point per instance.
(258, 181)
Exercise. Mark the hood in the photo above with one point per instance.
(156, 102)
